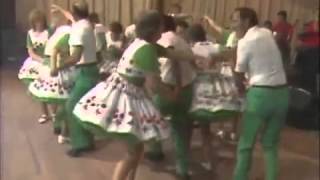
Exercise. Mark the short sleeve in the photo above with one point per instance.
(232, 40)
(77, 37)
(63, 42)
(29, 42)
(243, 56)
(146, 58)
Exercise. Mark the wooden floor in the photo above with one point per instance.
(29, 151)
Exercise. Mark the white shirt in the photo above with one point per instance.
(130, 31)
(259, 56)
(188, 74)
(99, 29)
(82, 34)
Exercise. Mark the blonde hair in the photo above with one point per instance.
(37, 16)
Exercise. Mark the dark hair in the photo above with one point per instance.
(248, 13)
(169, 23)
(148, 25)
(267, 23)
(196, 33)
(94, 17)
(80, 9)
(115, 27)
(182, 23)
(283, 14)
(37, 16)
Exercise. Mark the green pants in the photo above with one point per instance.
(266, 113)
(181, 126)
(87, 78)
(60, 122)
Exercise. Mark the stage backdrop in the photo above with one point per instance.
(109, 10)
(220, 10)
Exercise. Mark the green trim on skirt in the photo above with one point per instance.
(205, 116)
(27, 81)
(49, 100)
(101, 133)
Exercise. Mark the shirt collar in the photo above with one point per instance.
(250, 31)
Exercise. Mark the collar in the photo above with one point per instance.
(250, 31)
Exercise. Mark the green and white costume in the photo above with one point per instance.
(120, 105)
(215, 93)
(47, 88)
(31, 69)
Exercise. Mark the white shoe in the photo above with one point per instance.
(207, 166)
(43, 119)
(221, 134)
(62, 139)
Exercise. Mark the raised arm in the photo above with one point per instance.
(66, 13)
(217, 29)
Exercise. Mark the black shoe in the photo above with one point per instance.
(155, 157)
(79, 152)
(57, 131)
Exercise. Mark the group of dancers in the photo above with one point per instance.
(155, 79)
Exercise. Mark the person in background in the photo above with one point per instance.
(33, 67)
(130, 31)
(176, 12)
(99, 31)
(114, 48)
(268, 24)
(283, 32)
(83, 58)
(307, 66)
(215, 94)
(181, 29)
(267, 96)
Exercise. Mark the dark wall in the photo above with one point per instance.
(9, 35)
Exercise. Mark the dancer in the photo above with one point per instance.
(176, 74)
(47, 89)
(267, 96)
(83, 58)
(181, 28)
(229, 39)
(36, 40)
(215, 94)
(120, 106)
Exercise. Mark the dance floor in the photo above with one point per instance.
(29, 151)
